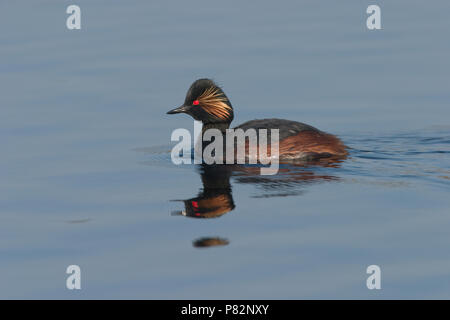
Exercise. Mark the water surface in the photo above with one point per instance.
(86, 176)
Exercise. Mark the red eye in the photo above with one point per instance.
(195, 103)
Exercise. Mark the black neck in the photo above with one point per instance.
(222, 126)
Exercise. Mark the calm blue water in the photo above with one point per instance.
(86, 176)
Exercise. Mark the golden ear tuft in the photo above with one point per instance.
(215, 103)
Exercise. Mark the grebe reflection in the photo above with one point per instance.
(215, 198)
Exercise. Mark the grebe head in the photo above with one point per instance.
(206, 102)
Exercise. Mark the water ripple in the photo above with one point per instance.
(398, 160)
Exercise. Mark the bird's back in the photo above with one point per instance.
(299, 141)
(287, 127)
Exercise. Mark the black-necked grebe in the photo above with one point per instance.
(206, 102)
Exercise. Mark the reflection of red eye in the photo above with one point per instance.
(195, 103)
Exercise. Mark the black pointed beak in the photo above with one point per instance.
(180, 109)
